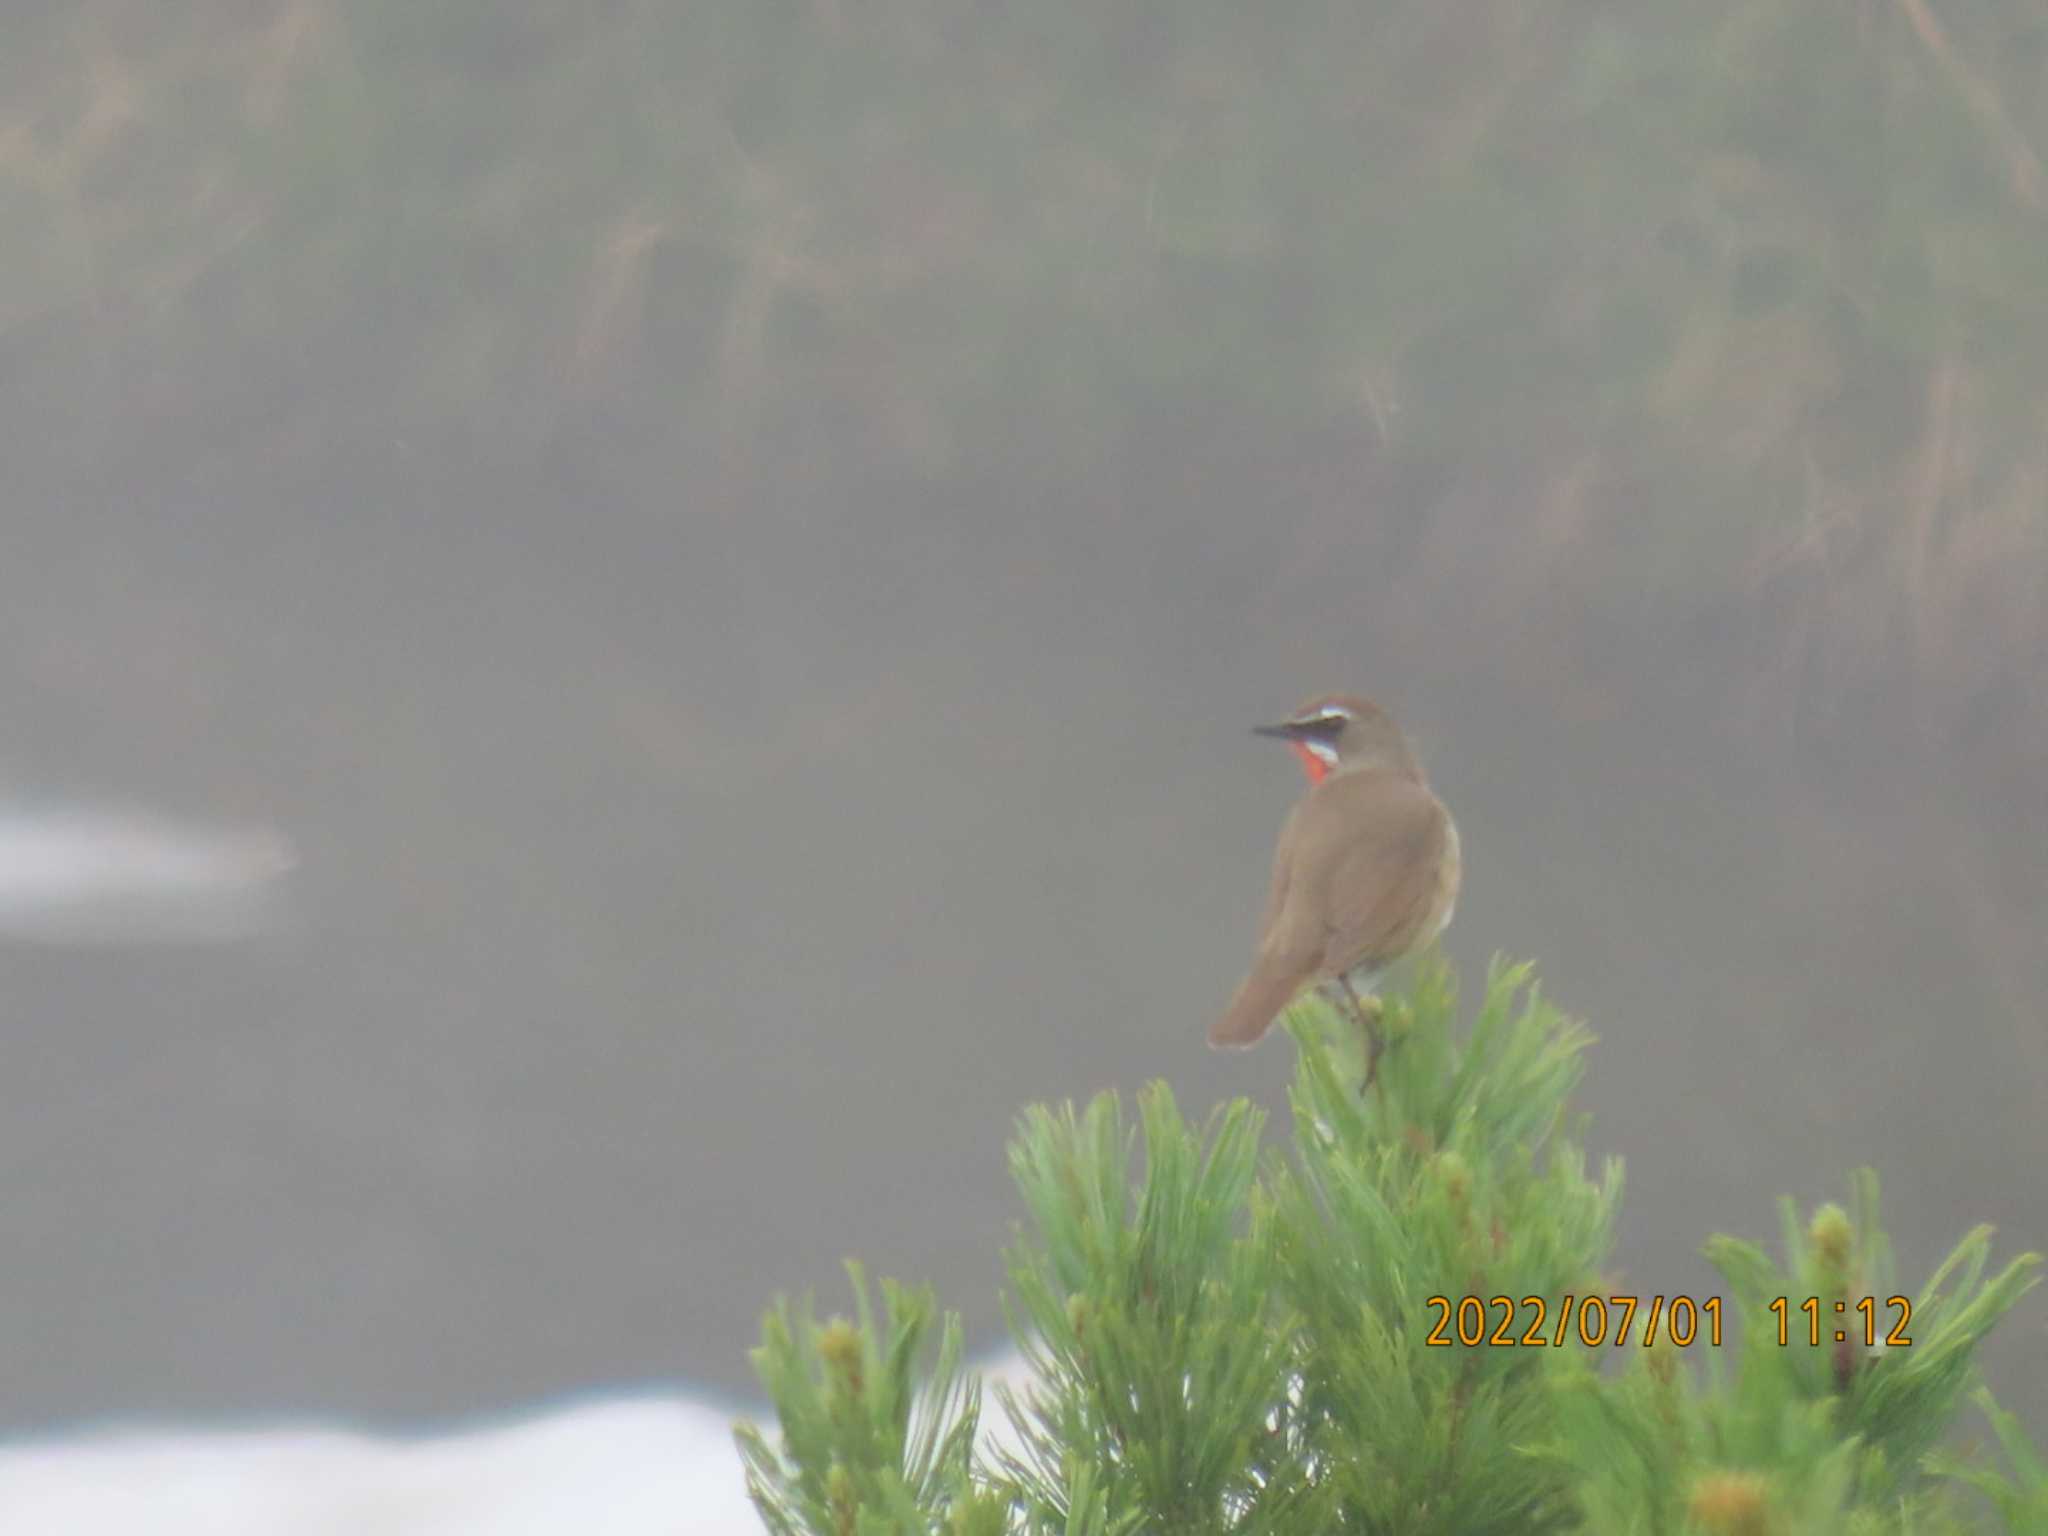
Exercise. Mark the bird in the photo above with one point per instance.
(1366, 871)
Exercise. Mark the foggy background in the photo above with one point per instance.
(738, 543)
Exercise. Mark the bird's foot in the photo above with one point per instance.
(1368, 1010)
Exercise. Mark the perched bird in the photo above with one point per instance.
(1366, 871)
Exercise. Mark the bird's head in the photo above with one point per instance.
(1339, 732)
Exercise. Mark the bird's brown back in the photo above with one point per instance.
(1363, 885)
(1366, 869)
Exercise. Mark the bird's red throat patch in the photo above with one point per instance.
(1316, 769)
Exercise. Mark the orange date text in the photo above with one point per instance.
(1590, 1320)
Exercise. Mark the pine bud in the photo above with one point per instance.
(1833, 1237)
(1731, 1504)
(839, 1343)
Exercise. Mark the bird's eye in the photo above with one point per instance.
(1325, 720)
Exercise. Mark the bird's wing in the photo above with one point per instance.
(1290, 941)
(1291, 933)
(1376, 867)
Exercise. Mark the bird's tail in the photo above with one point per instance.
(1251, 1012)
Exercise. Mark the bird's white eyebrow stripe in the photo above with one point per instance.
(1329, 714)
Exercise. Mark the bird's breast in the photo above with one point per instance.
(1449, 868)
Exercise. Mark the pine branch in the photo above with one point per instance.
(1394, 1325)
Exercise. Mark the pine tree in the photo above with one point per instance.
(1398, 1324)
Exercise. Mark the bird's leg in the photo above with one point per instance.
(1369, 1021)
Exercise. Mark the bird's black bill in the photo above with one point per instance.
(1288, 732)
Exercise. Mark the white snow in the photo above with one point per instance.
(620, 1467)
(74, 874)
(637, 1466)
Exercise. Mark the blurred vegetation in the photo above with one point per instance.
(1741, 298)
(1218, 1346)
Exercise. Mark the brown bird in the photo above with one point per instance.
(1366, 871)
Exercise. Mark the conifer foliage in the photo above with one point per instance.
(1397, 1324)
